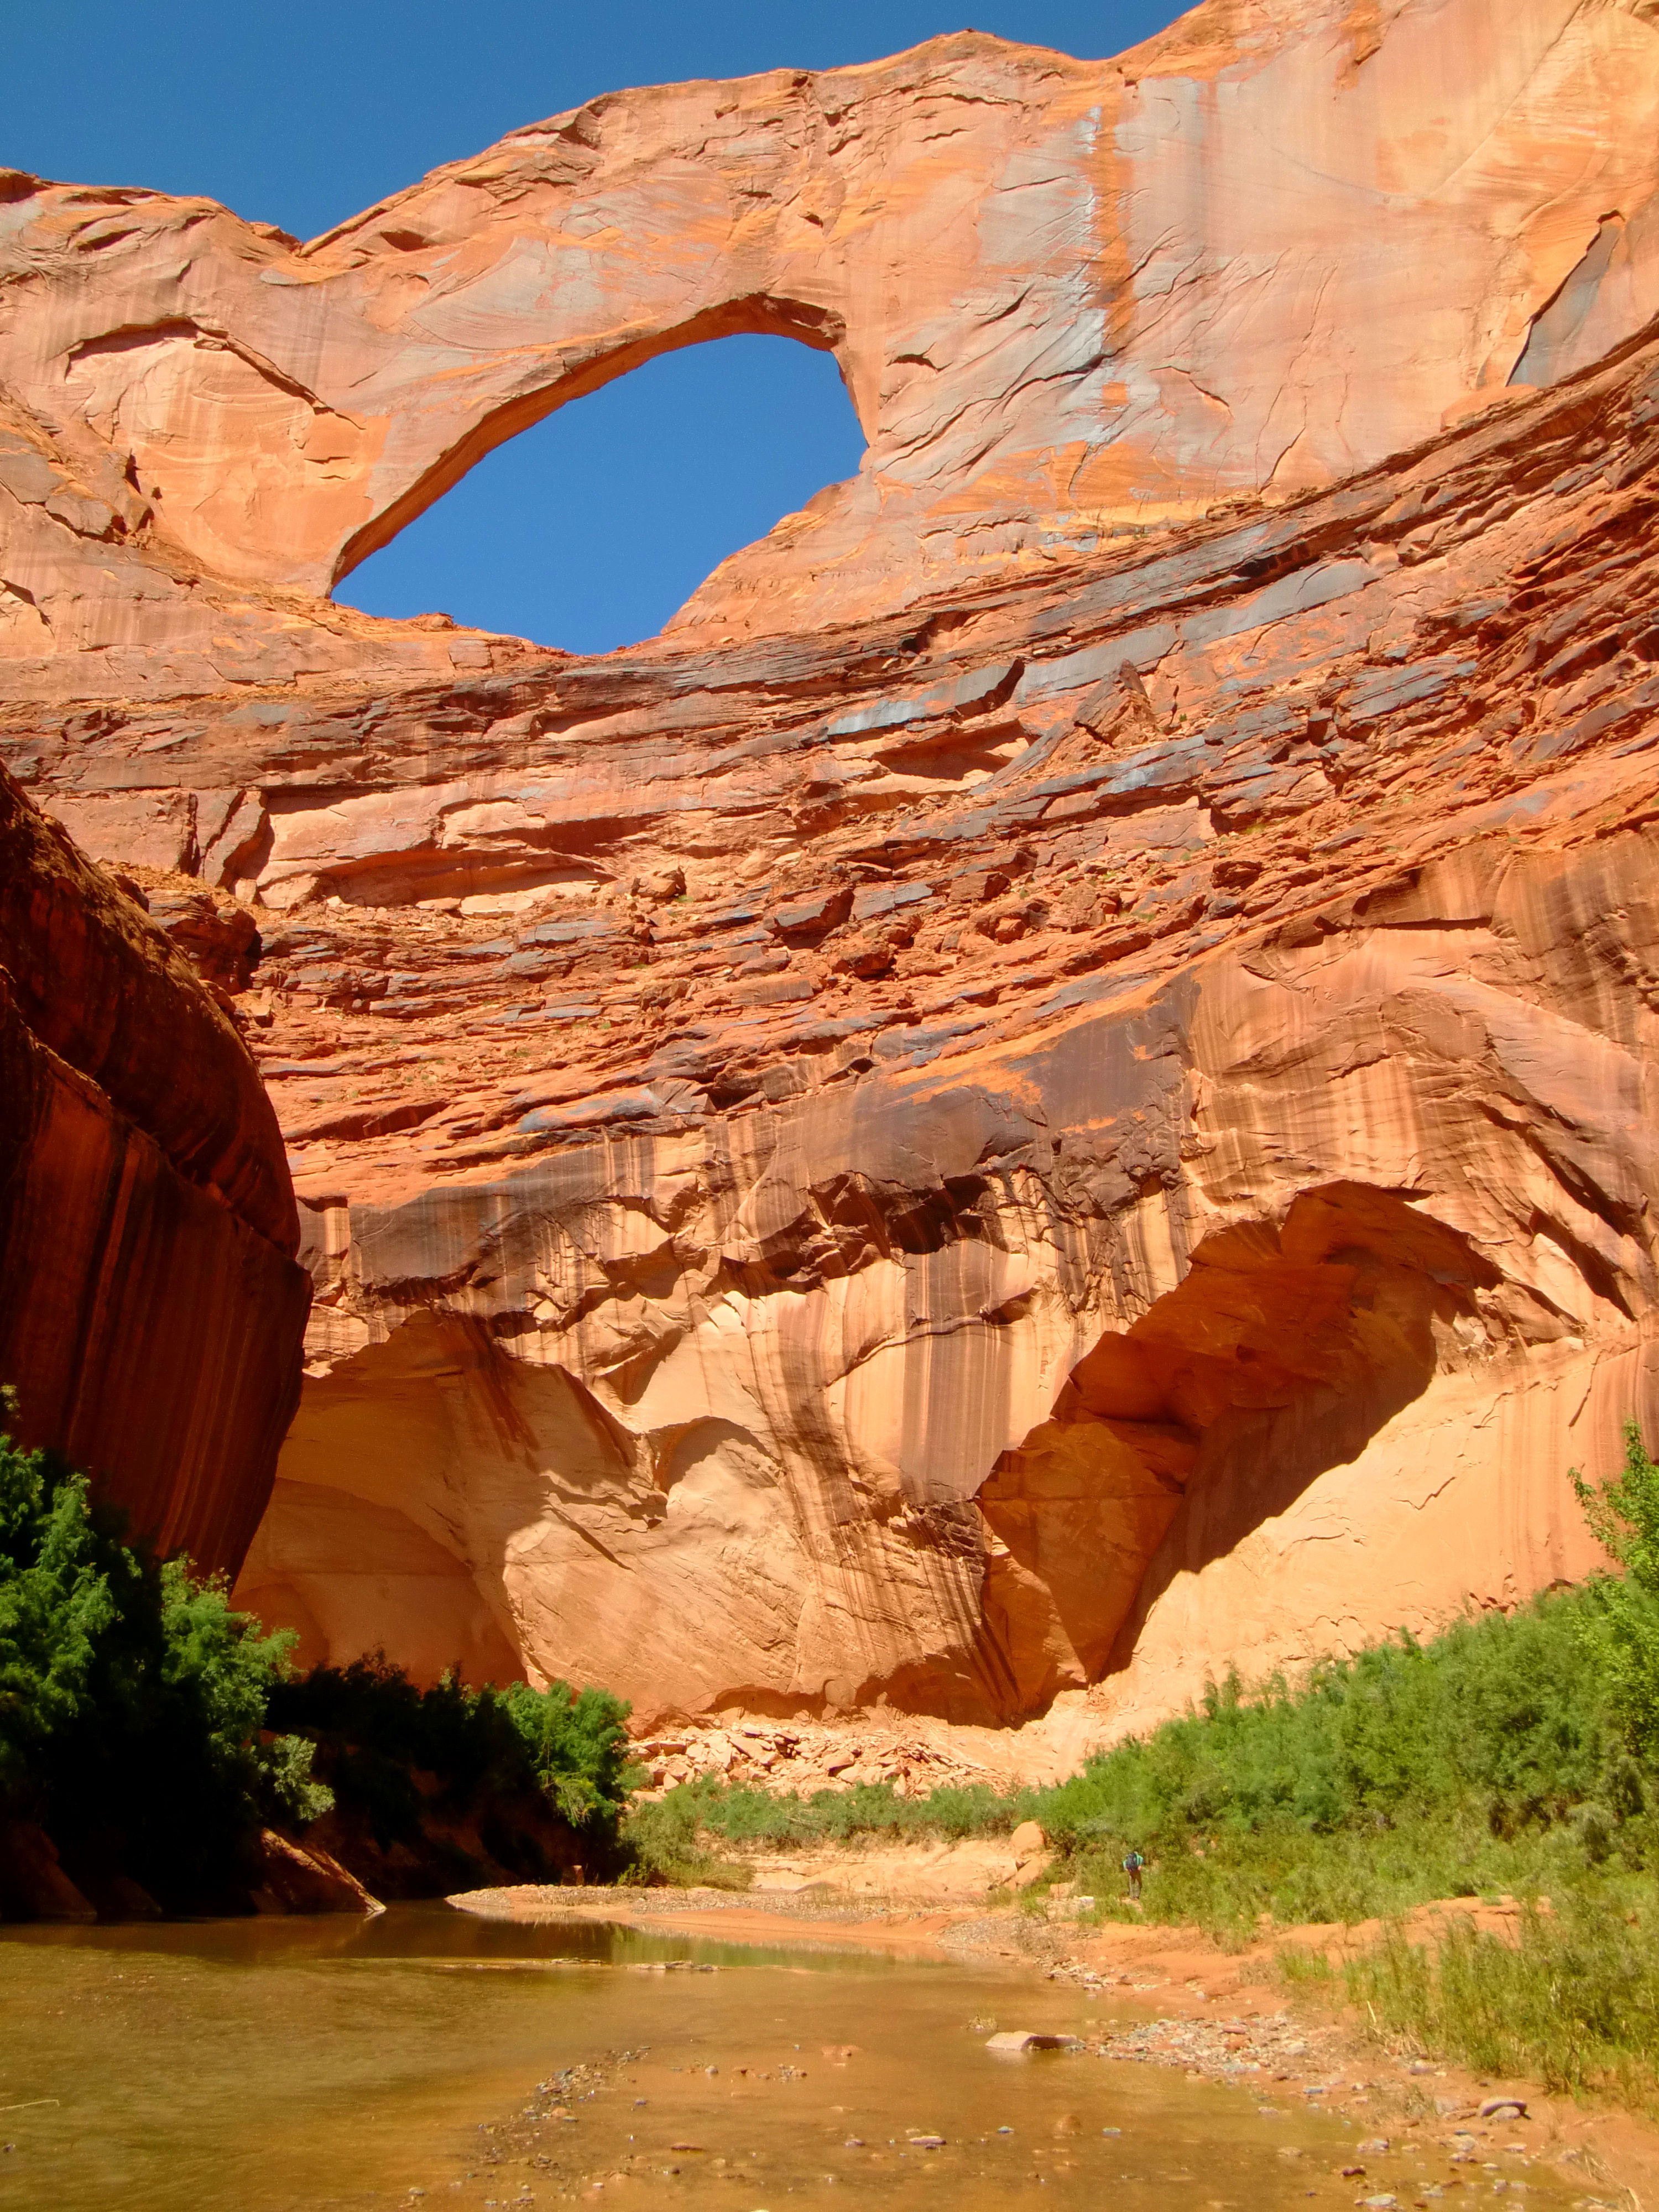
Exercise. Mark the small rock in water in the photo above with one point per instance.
(1495, 2108)
(925, 2142)
(1068, 2124)
(1020, 2039)
(1112, 2131)
(1377, 2145)
(854, 2143)
(1289, 2150)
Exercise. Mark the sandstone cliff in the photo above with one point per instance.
(1053, 1091)
(1275, 243)
(151, 1312)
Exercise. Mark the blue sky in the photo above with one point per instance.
(589, 531)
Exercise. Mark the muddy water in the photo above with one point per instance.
(287, 2067)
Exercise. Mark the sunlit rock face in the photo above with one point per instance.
(1052, 1092)
(151, 1309)
(1275, 243)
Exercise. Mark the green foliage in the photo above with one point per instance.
(289, 1794)
(1506, 1714)
(1492, 1758)
(576, 1743)
(664, 1842)
(669, 1838)
(867, 1811)
(131, 1696)
(1512, 1753)
(55, 1610)
(1574, 2001)
(151, 1728)
(381, 1731)
(1624, 1514)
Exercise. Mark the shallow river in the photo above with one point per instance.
(280, 2066)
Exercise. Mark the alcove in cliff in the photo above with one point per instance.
(589, 530)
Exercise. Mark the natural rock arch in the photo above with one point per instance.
(1067, 298)
(589, 530)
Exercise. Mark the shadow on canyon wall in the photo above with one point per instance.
(1280, 1356)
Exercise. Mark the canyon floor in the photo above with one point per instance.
(1170, 1997)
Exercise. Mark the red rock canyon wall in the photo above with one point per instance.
(151, 1311)
(1052, 1092)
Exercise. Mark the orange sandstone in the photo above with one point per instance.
(1053, 1091)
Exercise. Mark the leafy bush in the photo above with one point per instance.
(131, 1696)
(576, 1743)
(150, 1730)
(1507, 1713)
(668, 1838)
(1513, 1752)
(664, 1841)
(1624, 1514)
(378, 1730)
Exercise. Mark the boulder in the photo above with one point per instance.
(1011, 2042)
(292, 1877)
(33, 1884)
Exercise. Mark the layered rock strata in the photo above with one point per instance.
(1003, 1156)
(151, 1309)
(1127, 1154)
(1271, 246)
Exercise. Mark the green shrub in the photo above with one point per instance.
(1624, 1514)
(663, 1838)
(151, 1728)
(668, 1837)
(378, 1729)
(131, 1696)
(576, 1743)
(1508, 1714)
(1511, 1753)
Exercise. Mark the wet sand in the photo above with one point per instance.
(1215, 2014)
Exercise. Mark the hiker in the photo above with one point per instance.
(1132, 1865)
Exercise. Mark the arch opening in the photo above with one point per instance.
(591, 525)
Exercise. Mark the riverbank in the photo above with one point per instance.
(429, 2054)
(1210, 2012)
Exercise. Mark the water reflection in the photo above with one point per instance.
(286, 2066)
